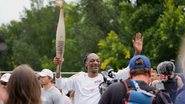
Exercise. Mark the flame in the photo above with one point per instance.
(59, 3)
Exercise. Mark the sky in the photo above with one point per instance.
(12, 9)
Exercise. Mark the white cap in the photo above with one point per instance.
(46, 72)
(5, 77)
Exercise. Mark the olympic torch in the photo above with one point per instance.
(60, 34)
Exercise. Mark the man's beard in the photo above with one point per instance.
(94, 70)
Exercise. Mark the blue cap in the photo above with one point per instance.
(139, 61)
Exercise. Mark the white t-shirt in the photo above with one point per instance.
(123, 74)
(51, 96)
(65, 99)
(86, 88)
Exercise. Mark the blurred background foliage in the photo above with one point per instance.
(106, 27)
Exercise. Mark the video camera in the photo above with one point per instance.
(111, 72)
(166, 68)
(109, 78)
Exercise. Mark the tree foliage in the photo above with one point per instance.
(166, 35)
(113, 52)
(106, 27)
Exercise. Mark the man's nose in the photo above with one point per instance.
(96, 62)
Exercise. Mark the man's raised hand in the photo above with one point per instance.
(138, 43)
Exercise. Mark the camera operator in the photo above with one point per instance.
(169, 81)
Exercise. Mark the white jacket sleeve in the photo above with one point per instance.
(66, 83)
(123, 73)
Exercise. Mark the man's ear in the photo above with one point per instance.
(50, 79)
(149, 73)
(85, 66)
(130, 76)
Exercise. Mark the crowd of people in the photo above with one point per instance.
(137, 83)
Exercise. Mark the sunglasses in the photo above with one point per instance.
(3, 83)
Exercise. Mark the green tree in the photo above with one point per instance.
(31, 40)
(93, 26)
(168, 34)
(113, 52)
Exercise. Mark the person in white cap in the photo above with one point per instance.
(50, 94)
(4, 79)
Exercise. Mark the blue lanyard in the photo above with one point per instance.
(135, 84)
(140, 90)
